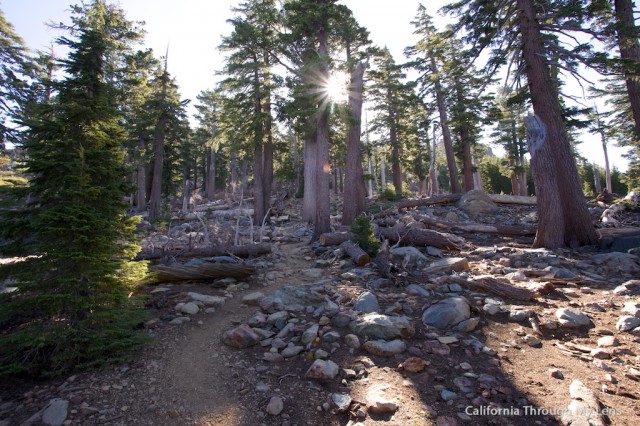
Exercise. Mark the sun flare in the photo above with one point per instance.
(337, 87)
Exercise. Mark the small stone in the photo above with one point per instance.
(291, 351)
(572, 318)
(275, 406)
(556, 374)
(352, 341)
(449, 264)
(468, 325)
(322, 370)
(413, 365)
(189, 308)
(253, 299)
(384, 348)
(378, 400)
(309, 334)
(55, 412)
(242, 336)
(519, 315)
(491, 308)
(447, 312)
(446, 340)
(447, 395)
(627, 322)
(599, 353)
(342, 401)
(207, 300)
(272, 357)
(607, 342)
(532, 341)
(632, 308)
(367, 303)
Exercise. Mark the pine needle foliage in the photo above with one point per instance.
(363, 235)
(72, 307)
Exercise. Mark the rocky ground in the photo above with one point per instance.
(312, 339)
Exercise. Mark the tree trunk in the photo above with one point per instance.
(446, 135)
(211, 175)
(141, 178)
(569, 222)
(309, 199)
(477, 176)
(155, 198)
(354, 190)
(465, 139)
(596, 179)
(629, 51)
(433, 172)
(383, 173)
(322, 169)
(396, 171)
(233, 167)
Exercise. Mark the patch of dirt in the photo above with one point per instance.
(187, 376)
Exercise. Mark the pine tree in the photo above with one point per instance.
(72, 305)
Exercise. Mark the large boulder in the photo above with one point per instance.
(477, 203)
(382, 327)
(447, 313)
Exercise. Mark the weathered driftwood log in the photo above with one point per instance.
(207, 271)
(477, 227)
(355, 252)
(335, 238)
(248, 250)
(494, 286)
(420, 237)
(513, 199)
(232, 213)
(430, 201)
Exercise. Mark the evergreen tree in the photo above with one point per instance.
(71, 308)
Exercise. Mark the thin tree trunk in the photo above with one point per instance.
(433, 171)
(477, 176)
(465, 139)
(576, 227)
(354, 191)
(211, 175)
(155, 198)
(596, 179)
(267, 154)
(234, 173)
(141, 178)
(383, 174)
(446, 135)
(629, 51)
(309, 199)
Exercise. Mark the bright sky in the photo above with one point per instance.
(192, 29)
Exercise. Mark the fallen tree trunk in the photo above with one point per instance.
(355, 252)
(207, 271)
(494, 286)
(430, 201)
(477, 227)
(513, 199)
(420, 237)
(248, 250)
(335, 238)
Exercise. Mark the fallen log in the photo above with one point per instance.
(355, 252)
(420, 237)
(490, 285)
(248, 250)
(477, 227)
(335, 238)
(513, 199)
(430, 201)
(207, 271)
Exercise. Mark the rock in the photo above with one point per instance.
(275, 406)
(312, 272)
(584, 408)
(55, 412)
(452, 217)
(632, 308)
(272, 357)
(556, 374)
(322, 370)
(278, 316)
(379, 283)
(447, 340)
(572, 318)
(477, 203)
(309, 334)
(340, 320)
(532, 341)
(385, 349)
(600, 353)
(491, 308)
(257, 320)
(342, 401)
(253, 298)
(366, 302)
(435, 252)
(629, 288)
(417, 290)
(627, 322)
(189, 308)
(618, 262)
(242, 336)
(213, 301)
(468, 325)
(519, 315)
(447, 313)
(607, 342)
(352, 341)
(435, 347)
(331, 336)
(414, 364)
(449, 264)
(447, 395)
(385, 327)
(291, 351)
(378, 400)
(301, 296)
(561, 273)
(411, 251)
(464, 384)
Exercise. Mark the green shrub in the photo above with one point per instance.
(363, 235)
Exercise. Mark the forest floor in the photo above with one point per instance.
(515, 367)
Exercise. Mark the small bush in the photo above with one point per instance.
(363, 231)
